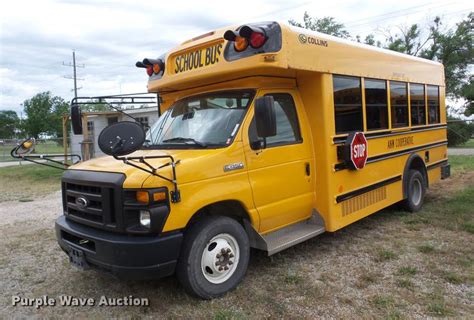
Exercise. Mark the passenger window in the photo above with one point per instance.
(399, 104)
(288, 130)
(417, 104)
(376, 104)
(433, 104)
(347, 104)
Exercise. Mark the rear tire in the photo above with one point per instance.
(214, 257)
(416, 190)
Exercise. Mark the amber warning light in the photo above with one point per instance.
(152, 66)
(245, 36)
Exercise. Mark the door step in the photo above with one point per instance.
(289, 236)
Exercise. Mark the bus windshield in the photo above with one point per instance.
(208, 120)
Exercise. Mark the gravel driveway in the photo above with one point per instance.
(460, 151)
(390, 265)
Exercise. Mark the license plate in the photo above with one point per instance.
(197, 58)
(77, 258)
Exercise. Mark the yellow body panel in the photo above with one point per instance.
(272, 187)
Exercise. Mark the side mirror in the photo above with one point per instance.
(26, 147)
(265, 118)
(121, 138)
(76, 119)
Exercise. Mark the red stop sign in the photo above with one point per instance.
(358, 150)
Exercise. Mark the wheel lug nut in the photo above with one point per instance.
(220, 268)
(231, 263)
(223, 251)
(231, 255)
(218, 255)
(228, 250)
(226, 268)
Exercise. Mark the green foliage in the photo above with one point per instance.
(9, 122)
(44, 114)
(327, 25)
(453, 48)
(407, 41)
(467, 92)
(459, 132)
(95, 107)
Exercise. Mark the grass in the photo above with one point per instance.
(468, 144)
(426, 248)
(379, 266)
(407, 271)
(385, 255)
(41, 147)
(461, 163)
(25, 183)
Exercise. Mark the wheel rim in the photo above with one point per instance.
(416, 192)
(220, 258)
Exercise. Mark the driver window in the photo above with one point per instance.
(288, 130)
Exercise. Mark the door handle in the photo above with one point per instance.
(308, 169)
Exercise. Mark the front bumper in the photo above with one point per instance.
(126, 256)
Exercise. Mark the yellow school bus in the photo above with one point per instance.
(269, 135)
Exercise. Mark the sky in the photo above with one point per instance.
(37, 37)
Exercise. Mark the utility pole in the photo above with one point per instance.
(74, 66)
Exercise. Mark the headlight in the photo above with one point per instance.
(145, 218)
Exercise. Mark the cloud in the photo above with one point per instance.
(36, 37)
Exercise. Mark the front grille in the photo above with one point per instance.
(100, 203)
(100, 198)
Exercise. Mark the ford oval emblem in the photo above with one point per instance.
(82, 202)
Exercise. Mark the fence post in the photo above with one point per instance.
(65, 146)
(85, 137)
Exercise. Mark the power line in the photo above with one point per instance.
(361, 25)
(74, 66)
(390, 13)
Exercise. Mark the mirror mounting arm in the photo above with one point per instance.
(50, 162)
(175, 194)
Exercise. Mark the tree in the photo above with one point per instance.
(453, 48)
(468, 94)
(9, 122)
(327, 25)
(459, 132)
(44, 114)
(95, 107)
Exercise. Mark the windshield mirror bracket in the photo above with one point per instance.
(142, 164)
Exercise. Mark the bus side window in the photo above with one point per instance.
(433, 104)
(399, 104)
(417, 104)
(376, 104)
(347, 104)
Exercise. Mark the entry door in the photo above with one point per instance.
(280, 175)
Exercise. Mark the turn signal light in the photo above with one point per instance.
(240, 44)
(143, 196)
(159, 196)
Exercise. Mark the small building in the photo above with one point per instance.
(97, 121)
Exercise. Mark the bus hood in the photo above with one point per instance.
(192, 164)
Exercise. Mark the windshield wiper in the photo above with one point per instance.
(182, 139)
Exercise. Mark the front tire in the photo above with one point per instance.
(416, 190)
(214, 257)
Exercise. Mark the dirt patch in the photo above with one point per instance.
(389, 265)
(459, 181)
